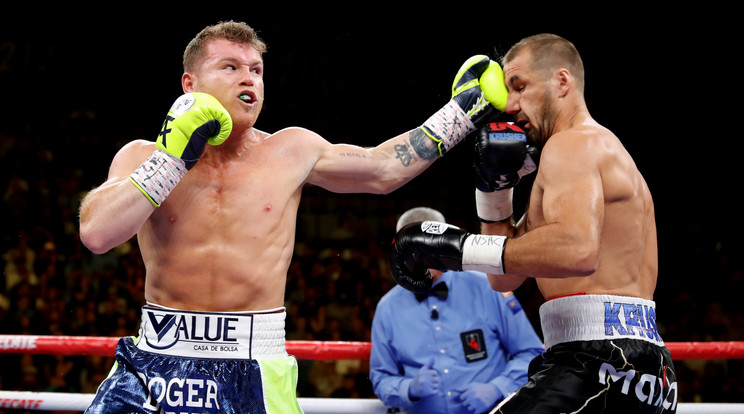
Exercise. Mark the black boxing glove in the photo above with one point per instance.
(421, 246)
(500, 152)
(502, 158)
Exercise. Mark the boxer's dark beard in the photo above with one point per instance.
(539, 133)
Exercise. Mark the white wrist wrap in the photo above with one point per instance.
(494, 206)
(158, 176)
(484, 253)
(448, 126)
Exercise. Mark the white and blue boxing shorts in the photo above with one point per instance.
(202, 362)
(604, 355)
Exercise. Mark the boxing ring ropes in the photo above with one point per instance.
(307, 350)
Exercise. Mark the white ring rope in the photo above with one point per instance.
(314, 350)
(53, 401)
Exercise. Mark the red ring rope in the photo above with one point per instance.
(309, 350)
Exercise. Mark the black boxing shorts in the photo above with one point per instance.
(604, 355)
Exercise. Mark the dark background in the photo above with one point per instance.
(81, 82)
(661, 80)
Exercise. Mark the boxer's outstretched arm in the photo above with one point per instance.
(478, 91)
(344, 168)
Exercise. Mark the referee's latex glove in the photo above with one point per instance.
(479, 397)
(425, 383)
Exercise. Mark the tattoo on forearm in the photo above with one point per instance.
(422, 145)
(353, 155)
(403, 154)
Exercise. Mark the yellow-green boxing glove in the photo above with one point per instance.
(194, 120)
(478, 90)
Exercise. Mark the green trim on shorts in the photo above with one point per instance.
(279, 377)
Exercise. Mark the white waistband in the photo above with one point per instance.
(598, 317)
(220, 335)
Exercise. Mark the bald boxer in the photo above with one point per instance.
(213, 203)
(588, 238)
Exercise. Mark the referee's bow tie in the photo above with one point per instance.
(440, 290)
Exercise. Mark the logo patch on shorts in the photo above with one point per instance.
(474, 345)
(631, 320)
(169, 329)
(195, 334)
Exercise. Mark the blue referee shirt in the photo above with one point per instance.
(475, 335)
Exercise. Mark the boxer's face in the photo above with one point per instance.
(233, 73)
(529, 99)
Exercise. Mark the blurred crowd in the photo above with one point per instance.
(51, 285)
